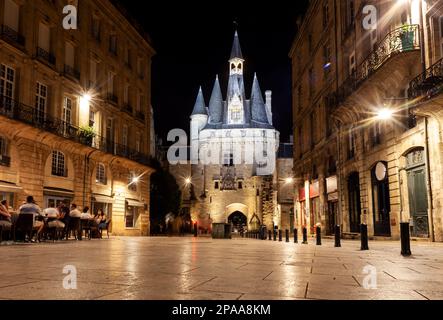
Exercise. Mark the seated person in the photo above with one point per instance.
(101, 220)
(5, 216)
(30, 207)
(75, 213)
(85, 214)
(54, 217)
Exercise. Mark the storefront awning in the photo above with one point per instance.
(9, 187)
(102, 199)
(47, 191)
(134, 203)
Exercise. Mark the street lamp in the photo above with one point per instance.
(135, 179)
(188, 181)
(384, 114)
(289, 180)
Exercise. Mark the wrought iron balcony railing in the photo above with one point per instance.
(429, 83)
(10, 35)
(5, 161)
(112, 98)
(140, 116)
(45, 56)
(403, 39)
(128, 109)
(70, 71)
(35, 118)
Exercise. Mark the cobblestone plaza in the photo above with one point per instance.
(201, 268)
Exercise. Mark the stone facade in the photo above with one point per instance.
(368, 153)
(58, 86)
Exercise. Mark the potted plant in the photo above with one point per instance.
(87, 134)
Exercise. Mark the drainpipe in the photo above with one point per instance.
(428, 171)
(422, 37)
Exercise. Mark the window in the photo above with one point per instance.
(67, 114)
(132, 185)
(3, 149)
(44, 37)
(216, 185)
(228, 159)
(11, 15)
(91, 118)
(326, 60)
(131, 216)
(95, 30)
(352, 64)
(310, 45)
(299, 97)
(376, 134)
(138, 140)
(125, 136)
(313, 131)
(111, 77)
(113, 44)
(351, 144)
(140, 67)
(140, 103)
(350, 13)
(126, 94)
(240, 184)
(7, 86)
(58, 164)
(110, 129)
(128, 57)
(325, 14)
(69, 55)
(311, 82)
(92, 73)
(100, 174)
(41, 97)
(441, 36)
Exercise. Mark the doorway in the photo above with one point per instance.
(238, 222)
(381, 206)
(354, 202)
(332, 214)
(417, 193)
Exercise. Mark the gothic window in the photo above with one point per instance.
(100, 174)
(58, 167)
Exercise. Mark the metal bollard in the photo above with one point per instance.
(287, 235)
(269, 235)
(318, 234)
(280, 235)
(195, 230)
(275, 235)
(295, 235)
(305, 236)
(337, 236)
(405, 239)
(364, 237)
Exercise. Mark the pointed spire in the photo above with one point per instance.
(200, 106)
(216, 103)
(236, 50)
(258, 108)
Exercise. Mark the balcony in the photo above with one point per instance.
(128, 109)
(112, 98)
(11, 36)
(428, 84)
(45, 56)
(71, 72)
(399, 41)
(30, 116)
(5, 161)
(140, 116)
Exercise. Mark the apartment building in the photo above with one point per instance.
(75, 112)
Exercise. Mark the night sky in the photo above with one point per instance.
(193, 42)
